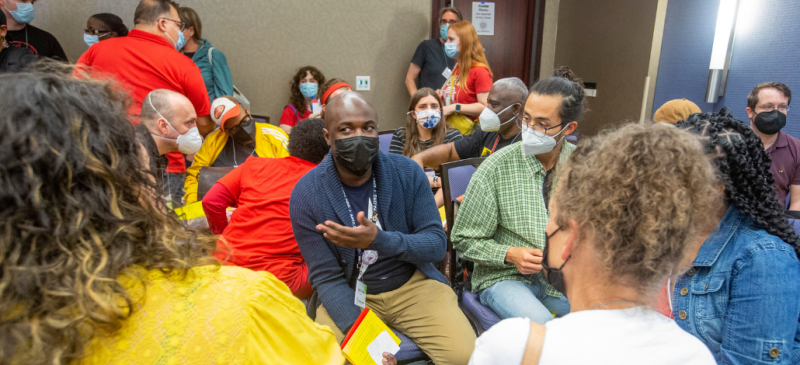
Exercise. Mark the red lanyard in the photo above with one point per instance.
(495, 143)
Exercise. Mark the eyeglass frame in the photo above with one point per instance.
(773, 107)
(96, 32)
(536, 127)
(181, 25)
(451, 22)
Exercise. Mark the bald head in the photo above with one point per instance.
(349, 105)
(161, 106)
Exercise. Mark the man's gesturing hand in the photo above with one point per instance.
(353, 237)
(527, 260)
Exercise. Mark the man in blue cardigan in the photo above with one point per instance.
(387, 253)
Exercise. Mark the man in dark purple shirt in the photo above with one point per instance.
(767, 106)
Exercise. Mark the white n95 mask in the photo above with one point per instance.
(537, 143)
(490, 121)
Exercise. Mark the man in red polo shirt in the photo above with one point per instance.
(259, 235)
(147, 59)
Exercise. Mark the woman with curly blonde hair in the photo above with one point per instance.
(93, 270)
(624, 215)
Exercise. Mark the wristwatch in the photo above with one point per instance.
(435, 180)
(458, 108)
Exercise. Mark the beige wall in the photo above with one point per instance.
(266, 41)
(608, 43)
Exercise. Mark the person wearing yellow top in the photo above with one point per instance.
(96, 270)
(237, 138)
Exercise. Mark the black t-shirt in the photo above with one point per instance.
(482, 144)
(158, 163)
(189, 54)
(44, 43)
(432, 61)
(388, 273)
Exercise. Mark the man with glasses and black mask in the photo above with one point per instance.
(369, 231)
(501, 224)
(148, 59)
(237, 138)
(767, 107)
(430, 65)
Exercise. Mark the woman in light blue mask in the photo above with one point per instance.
(103, 26)
(303, 102)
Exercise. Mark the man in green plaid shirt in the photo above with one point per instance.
(501, 224)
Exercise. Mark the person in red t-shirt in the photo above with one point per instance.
(147, 59)
(259, 235)
(465, 96)
(305, 92)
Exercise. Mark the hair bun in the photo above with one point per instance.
(568, 74)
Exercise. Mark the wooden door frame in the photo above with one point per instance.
(531, 44)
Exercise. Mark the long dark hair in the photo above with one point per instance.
(77, 208)
(744, 168)
(438, 132)
(297, 99)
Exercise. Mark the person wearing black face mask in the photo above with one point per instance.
(237, 138)
(767, 108)
(611, 243)
(363, 218)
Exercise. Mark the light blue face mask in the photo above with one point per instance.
(443, 31)
(91, 39)
(181, 39)
(451, 49)
(23, 14)
(309, 89)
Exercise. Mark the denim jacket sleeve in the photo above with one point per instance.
(763, 308)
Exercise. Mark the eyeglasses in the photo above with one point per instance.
(769, 108)
(181, 25)
(451, 22)
(522, 122)
(96, 32)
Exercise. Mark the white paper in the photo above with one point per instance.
(383, 343)
(447, 72)
(316, 108)
(483, 17)
(361, 294)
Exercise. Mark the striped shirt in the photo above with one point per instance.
(399, 140)
(503, 208)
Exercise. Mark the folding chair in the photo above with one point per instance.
(385, 138)
(260, 119)
(455, 179)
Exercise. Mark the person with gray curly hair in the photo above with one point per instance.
(625, 214)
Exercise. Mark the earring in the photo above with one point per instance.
(5, 43)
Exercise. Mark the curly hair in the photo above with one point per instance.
(297, 99)
(77, 209)
(307, 141)
(639, 194)
(743, 166)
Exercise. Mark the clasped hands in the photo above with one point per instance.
(527, 260)
(354, 237)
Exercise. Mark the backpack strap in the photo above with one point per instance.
(294, 110)
(210, 59)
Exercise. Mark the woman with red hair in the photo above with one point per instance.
(465, 97)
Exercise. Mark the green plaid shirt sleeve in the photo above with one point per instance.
(503, 208)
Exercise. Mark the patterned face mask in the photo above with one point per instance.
(429, 118)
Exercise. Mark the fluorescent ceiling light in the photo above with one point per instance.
(722, 34)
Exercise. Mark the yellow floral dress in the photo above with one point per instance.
(213, 315)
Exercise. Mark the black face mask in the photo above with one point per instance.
(770, 122)
(356, 154)
(243, 132)
(554, 276)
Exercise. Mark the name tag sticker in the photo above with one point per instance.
(361, 294)
(447, 72)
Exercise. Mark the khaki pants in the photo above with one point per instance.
(427, 312)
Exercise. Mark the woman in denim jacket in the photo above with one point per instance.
(741, 295)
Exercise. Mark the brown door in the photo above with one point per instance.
(510, 49)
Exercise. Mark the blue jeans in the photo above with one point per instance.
(517, 299)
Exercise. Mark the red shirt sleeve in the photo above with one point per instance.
(479, 80)
(195, 90)
(216, 201)
(288, 117)
(233, 180)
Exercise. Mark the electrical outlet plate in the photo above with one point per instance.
(362, 83)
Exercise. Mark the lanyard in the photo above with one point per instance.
(373, 213)
(498, 140)
(452, 86)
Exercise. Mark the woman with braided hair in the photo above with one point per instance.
(741, 295)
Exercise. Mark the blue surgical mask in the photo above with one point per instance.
(90, 39)
(181, 39)
(443, 31)
(309, 89)
(451, 49)
(23, 14)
